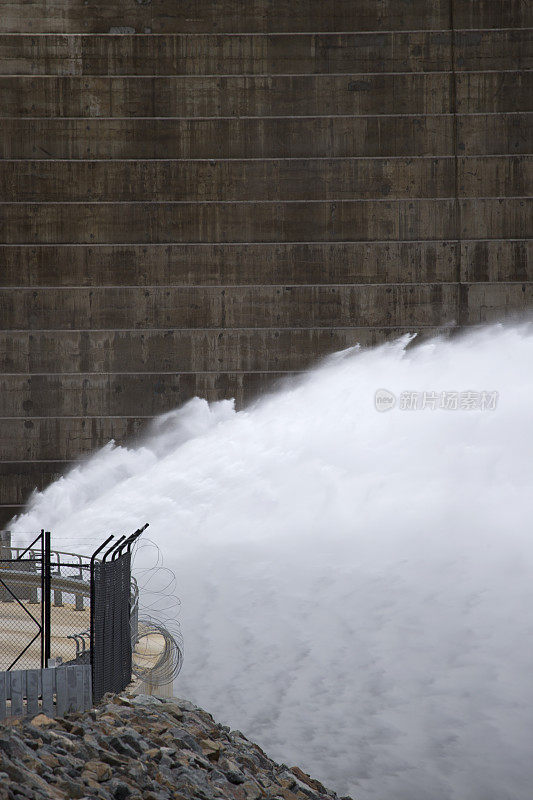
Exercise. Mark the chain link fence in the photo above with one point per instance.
(20, 606)
(60, 609)
(111, 630)
(44, 605)
(64, 609)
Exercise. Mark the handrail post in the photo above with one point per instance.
(58, 594)
(5, 544)
(6, 555)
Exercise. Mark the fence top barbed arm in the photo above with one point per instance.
(112, 549)
(130, 541)
(99, 549)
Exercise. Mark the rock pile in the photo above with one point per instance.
(141, 748)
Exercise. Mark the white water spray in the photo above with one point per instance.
(356, 586)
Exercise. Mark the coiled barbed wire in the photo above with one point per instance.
(169, 656)
(158, 616)
(156, 582)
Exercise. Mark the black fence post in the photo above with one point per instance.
(43, 591)
(47, 597)
(93, 610)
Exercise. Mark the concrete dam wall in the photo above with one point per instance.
(201, 197)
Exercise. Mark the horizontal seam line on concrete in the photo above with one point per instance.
(265, 74)
(92, 119)
(264, 328)
(129, 36)
(224, 286)
(210, 159)
(33, 461)
(315, 243)
(270, 75)
(125, 416)
(277, 201)
(83, 160)
(262, 243)
(141, 374)
(391, 31)
(454, 240)
(217, 159)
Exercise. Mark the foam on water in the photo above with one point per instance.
(356, 586)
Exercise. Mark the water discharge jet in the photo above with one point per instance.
(355, 584)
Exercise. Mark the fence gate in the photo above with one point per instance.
(25, 603)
